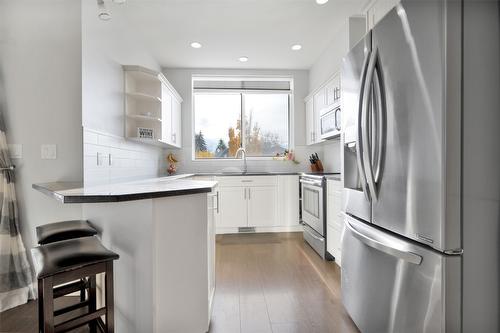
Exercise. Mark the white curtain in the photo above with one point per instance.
(16, 282)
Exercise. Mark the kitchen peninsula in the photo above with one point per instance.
(163, 230)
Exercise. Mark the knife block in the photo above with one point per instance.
(317, 167)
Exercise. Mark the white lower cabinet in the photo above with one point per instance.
(233, 207)
(262, 206)
(266, 203)
(334, 219)
(212, 205)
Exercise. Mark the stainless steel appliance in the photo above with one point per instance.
(312, 189)
(330, 123)
(410, 242)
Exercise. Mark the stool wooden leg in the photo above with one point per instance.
(92, 302)
(40, 306)
(47, 323)
(82, 291)
(110, 305)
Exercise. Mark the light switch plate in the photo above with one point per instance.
(49, 152)
(15, 151)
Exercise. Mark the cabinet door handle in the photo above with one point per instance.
(245, 194)
(218, 202)
(98, 161)
(110, 160)
(249, 194)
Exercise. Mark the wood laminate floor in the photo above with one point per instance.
(275, 283)
(266, 283)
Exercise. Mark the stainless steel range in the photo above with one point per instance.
(313, 203)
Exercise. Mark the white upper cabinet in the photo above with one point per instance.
(166, 114)
(152, 108)
(332, 92)
(324, 99)
(319, 98)
(176, 123)
(377, 9)
(310, 122)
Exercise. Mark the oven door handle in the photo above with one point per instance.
(311, 182)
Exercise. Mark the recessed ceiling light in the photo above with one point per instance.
(103, 12)
(296, 47)
(120, 2)
(195, 45)
(105, 16)
(243, 59)
(321, 2)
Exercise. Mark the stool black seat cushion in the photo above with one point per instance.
(54, 232)
(67, 255)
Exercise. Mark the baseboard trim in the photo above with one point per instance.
(292, 228)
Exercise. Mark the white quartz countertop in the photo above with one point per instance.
(71, 192)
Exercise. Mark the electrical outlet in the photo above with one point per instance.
(15, 151)
(49, 152)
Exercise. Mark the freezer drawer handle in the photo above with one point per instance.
(386, 248)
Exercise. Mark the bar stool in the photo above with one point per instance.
(68, 260)
(57, 231)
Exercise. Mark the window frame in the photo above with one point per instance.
(242, 92)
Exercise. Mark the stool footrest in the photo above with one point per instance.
(101, 325)
(69, 288)
(79, 321)
(70, 308)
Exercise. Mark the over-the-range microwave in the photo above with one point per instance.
(330, 122)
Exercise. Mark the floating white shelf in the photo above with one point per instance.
(151, 102)
(155, 142)
(143, 117)
(144, 97)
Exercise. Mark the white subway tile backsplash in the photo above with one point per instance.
(90, 137)
(129, 160)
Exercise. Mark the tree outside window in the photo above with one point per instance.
(218, 124)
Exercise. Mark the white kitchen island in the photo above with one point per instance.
(163, 231)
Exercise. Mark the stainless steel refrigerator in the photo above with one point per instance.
(413, 89)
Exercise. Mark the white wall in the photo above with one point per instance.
(329, 63)
(40, 95)
(181, 80)
(106, 46)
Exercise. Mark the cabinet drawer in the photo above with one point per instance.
(248, 181)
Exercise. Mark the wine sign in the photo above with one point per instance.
(145, 133)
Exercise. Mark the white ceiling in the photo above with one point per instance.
(263, 30)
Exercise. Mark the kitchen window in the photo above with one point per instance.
(231, 114)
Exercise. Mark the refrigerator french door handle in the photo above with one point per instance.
(359, 145)
(383, 246)
(381, 123)
(370, 179)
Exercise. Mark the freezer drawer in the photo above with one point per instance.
(390, 284)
